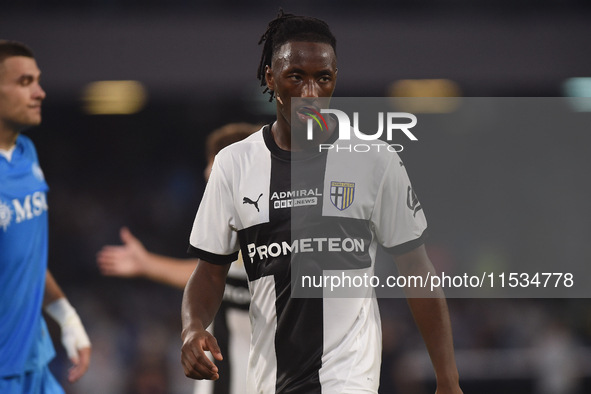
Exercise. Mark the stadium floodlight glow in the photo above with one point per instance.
(578, 91)
(114, 97)
(425, 96)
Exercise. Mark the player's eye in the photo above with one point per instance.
(294, 77)
(25, 81)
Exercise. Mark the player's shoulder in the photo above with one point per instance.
(247, 146)
(369, 152)
(27, 145)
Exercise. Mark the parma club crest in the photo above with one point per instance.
(342, 194)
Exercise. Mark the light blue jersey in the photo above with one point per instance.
(24, 340)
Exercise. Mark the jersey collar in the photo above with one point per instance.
(293, 156)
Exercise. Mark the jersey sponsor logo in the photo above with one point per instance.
(247, 200)
(295, 198)
(33, 205)
(412, 201)
(342, 194)
(5, 215)
(306, 245)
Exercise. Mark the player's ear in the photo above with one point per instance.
(269, 78)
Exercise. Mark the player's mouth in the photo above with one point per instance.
(306, 113)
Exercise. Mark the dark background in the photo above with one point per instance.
(197, 61)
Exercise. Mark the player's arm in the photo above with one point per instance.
(201, 300)
(432, 318)
(132, 259)
(74, 336)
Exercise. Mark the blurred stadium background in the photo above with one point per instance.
(131, 153)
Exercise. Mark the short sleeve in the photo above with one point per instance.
(398, 217)
(213, 237)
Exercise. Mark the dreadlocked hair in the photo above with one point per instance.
(289, 28)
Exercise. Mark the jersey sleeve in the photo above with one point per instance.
(213, 237)
(398, 217)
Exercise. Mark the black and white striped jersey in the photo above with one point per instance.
(296, 213)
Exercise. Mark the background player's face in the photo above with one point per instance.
(20, 92)
(301, 69)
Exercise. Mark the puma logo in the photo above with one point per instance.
(246, 200)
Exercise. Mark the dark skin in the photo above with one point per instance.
(201, 300)
(308, 70)
(432, 318)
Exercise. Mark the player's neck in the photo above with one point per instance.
(8, 136)
(281, 133)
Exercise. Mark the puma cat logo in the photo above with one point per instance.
(246, 200)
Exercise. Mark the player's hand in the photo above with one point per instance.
(81, 362)
(126, 260)
(74, 337)
(77, 345)
(193, 357)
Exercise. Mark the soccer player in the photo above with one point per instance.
(305, 345)
(26, 285)
(231, 325)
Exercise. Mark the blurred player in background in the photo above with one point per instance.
(26, 285)
(232, 325)
(305, 345)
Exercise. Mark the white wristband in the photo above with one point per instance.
(74, 336)
(61, 310)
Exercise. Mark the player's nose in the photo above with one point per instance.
(310, 89)
(39, 93)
